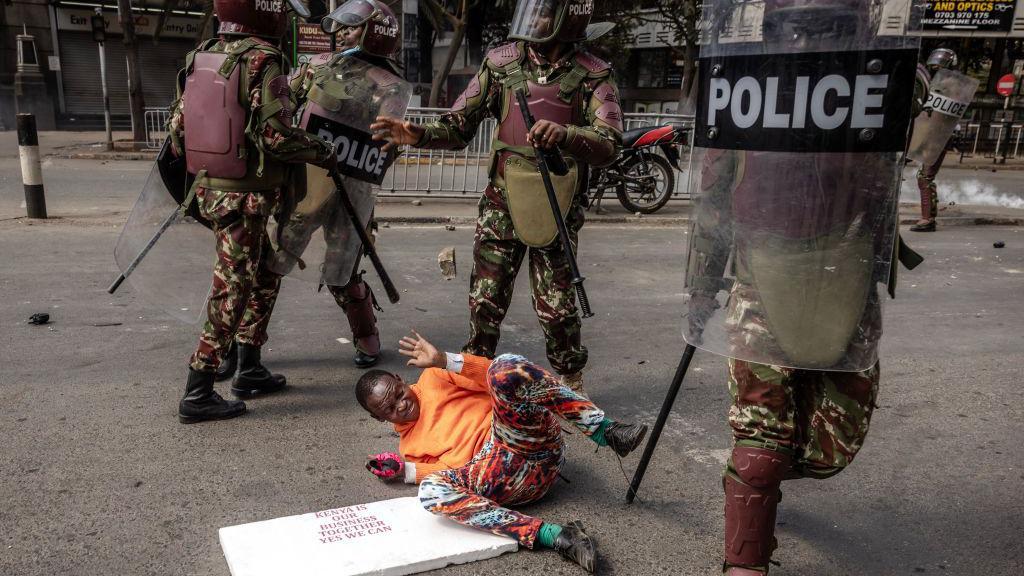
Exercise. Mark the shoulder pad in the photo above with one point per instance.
(592, 64)
(504, 55)
(382, 77)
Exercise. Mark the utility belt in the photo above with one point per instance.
(273, 176)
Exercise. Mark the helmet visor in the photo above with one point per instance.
(535, 20)
(350, 14)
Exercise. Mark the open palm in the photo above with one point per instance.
(421, 353)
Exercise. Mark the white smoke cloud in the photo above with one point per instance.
(961, 191)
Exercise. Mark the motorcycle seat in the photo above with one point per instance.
(629, 137)
(653, 135)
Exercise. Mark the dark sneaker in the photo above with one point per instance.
(364, 360)
(624, 438)
(575, 545)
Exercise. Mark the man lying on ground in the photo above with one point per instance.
(478, 435)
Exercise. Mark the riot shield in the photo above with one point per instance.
(315, 239)
(803, 112)
(950, 95)
(164, 254)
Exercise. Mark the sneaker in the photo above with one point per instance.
(624, 438)
(576, 546)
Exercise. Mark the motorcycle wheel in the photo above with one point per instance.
(647, 185)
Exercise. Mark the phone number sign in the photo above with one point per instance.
(969, 16)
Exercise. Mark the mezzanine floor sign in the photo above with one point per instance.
(969, 15)
(387, 538)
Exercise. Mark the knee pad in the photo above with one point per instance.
(760, 467)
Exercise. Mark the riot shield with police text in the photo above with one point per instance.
(165, 254)
(316, 240)
(948, 98)
(803, 112)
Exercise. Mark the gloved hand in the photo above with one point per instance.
(701, 307)
(387, 466)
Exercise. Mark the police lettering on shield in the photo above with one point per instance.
(358, 155)
(834, 101)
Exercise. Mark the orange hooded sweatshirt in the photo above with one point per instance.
(455, 418)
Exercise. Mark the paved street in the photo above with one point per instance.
(99, 478)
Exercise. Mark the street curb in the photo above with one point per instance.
(471, 221)
(103, 155)
(682, 221)
(971, 221)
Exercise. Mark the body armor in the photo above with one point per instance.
(211, 100)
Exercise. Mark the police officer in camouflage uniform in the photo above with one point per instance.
(357, 38)
(234, 113)
(794, 228)
(939, 58)
(574, 98)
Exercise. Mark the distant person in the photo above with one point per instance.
(939, 58)
(478, 435)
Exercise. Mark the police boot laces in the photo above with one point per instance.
(624, 438)
(575, 545)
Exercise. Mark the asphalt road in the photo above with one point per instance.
(97, 477)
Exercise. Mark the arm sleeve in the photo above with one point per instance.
(599, 141)
(422, 470)
(456, 128)
(474, 373)
(273, 108)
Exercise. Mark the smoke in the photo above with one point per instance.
(953, 189)
(976, 192)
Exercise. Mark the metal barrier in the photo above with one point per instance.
(156, 122)
(447, 173)
(461, 173)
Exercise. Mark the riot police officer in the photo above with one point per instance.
(234, 113)
(940, 58)
(573, 95)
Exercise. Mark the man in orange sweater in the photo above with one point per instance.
(478, 435)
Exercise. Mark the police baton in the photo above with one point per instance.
(145, 250)
(666, 409)
(368, 246)
(549, 161)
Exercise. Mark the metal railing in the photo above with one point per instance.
(461, 173)
(447, 173)
(995, 143)
(156, 121)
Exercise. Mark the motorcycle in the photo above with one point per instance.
(642, 179)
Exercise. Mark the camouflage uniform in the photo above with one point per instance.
(926, 175)
(244, 289)
(593, 138)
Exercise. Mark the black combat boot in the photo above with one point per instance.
(202, 403)
(253, 379)
(575, 545)
(624, 438)
(228, 364)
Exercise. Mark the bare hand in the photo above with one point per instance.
(546, 134)
(422, 354)
(397, 132)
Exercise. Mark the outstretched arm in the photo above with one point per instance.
(469, 372)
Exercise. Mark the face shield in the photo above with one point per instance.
(349, 15)
(535, 21)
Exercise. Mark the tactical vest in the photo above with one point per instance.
(217, 118)
(561, 100)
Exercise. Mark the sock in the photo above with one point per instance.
(598, 436)
(547, 534)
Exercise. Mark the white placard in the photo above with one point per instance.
(387, 538)
(53, 62)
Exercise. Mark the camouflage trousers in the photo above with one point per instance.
(244, 289)
(820, 418)
(497, 257)
(929, 192)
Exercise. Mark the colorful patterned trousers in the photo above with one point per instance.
(520, 461)
(244, 289)
(497, 257)
(820, 418)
